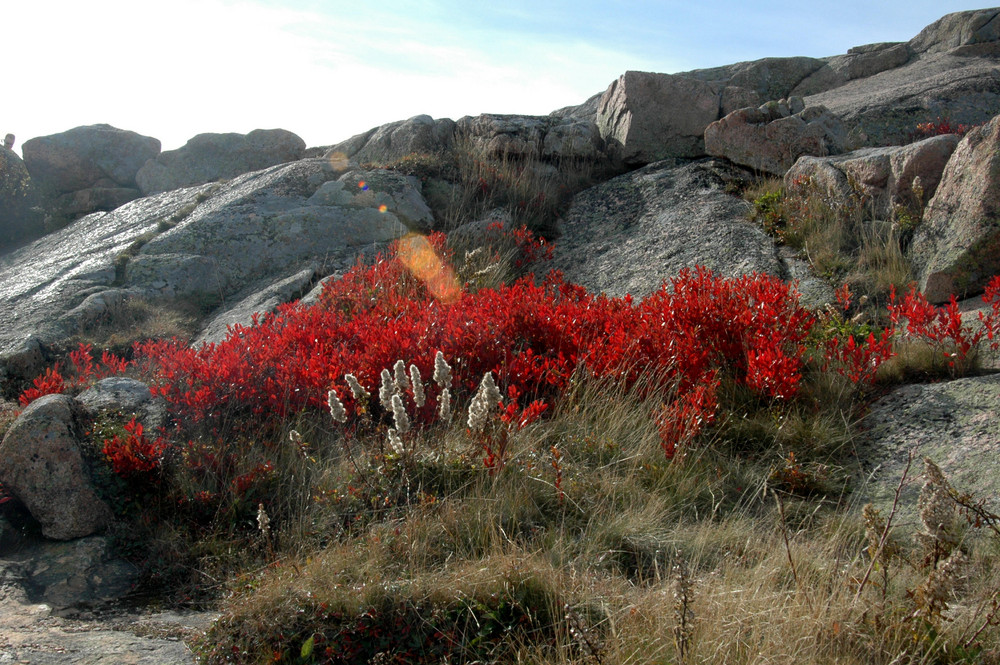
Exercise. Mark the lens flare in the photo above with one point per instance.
(363, 185)
(383, 208)
(338, 161)
(421, 259)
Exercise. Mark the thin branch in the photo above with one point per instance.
(788, 549)
(885, 532)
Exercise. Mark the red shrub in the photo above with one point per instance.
(939, 326)
(47, 384)
(532, 336)
(134, 455)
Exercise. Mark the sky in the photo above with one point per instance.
(328, 70)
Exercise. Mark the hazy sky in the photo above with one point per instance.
(327, 70)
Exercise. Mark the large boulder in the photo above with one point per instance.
(770, 138)
(645, 117)
(41, 464)
(210, 157)
(85, 157)
(631, 233)
(956, 250)
(973, 32)
(120, 394)
(207, 244)
(886, 178)
(391, 142)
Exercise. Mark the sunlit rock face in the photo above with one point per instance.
(211, 157)
(770, 138)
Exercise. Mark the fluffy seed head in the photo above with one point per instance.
(482, 405)
(337, 410)
(399, 414)
(395, 443)
(444, 404)
(442, 371)
(357, 391)
(402, 382)
(419, 398)
(386, 390)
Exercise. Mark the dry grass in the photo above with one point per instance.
(131, 319)
(844, 241)
(467, 184)
(773, 575)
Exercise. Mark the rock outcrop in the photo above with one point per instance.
(859, 62)
(772, 137)
(974, 33)
(550, 138)
(645, 117)
(885, 178)
(42, 465)
(758, 80)
(956, 250)
(389, 143)
(211, 157)
(530, 137)
(88, 168)
(952, 73)
(631, 233)
(85, 157)
(954, 423)
(120, 394)
(205, 243)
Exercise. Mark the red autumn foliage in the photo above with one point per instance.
(49, 383)
(858, 361)
(941, 327)
(694, 332)
(533, 336)
(942, 126)
(134, 455)
(84, 371)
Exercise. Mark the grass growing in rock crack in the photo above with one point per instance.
(844, 241)
(468, 183)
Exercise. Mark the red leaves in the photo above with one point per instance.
(533, 337)
(684, 418)
(859, 362)
(939, 326)
(47, 384)
(942, 126)
(134, 454)
(84, 371)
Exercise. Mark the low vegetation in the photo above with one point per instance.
(449, 460)
(468, 183)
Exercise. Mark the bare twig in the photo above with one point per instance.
(991, 620)
(885, 532)
(788, 549)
